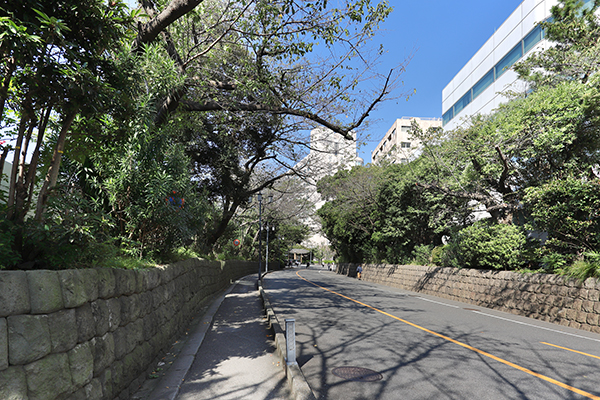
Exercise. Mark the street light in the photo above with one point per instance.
(267, 251)
(259, 198)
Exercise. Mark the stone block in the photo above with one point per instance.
(13, 384)
(73, 282)
(45, 294)
(106, 381)
(593, 319)
(81, 361)
(93, 390)
(136, 334)
(90, 282)
(118, 379)
(125, 282)
(106, 282)
(146, 301)
(14, 293)
(597, 307)
(28, 338)
(63, 330)
(104, 352)
(130, 308)
(120, 342)
(594, 295)
(581, 317)
(150, 326)
(101, 315)
(587, 306)
(3, 344)
(86, 325)
(114, 314)
(49, 377)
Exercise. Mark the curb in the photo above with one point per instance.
(296, 380)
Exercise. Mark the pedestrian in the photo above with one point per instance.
(359, 272)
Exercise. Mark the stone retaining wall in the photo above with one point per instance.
(94, 334)
(546, 297)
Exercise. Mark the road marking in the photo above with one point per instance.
(574, 351)
(536, 326)
(466, 346)
(437, 302)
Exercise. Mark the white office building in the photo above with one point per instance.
(477, 87)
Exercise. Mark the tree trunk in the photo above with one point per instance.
(52, 175)
(15, 166)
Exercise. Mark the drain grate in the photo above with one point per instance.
(357, 374)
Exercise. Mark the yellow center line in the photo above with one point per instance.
(574, 351)
(466, 346)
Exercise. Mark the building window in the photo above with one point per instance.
(405, 128)
(524, 46)
(462, 103)
(448, 115)
(508, 60)
(405, 145)
(483, 83)
(533, 38)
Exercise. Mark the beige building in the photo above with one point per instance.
(397, 145)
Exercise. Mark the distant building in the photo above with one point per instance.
(329, 153)
(397, 145)
(477, 87)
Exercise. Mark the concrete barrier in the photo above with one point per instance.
(95, 334)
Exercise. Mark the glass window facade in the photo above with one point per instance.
(483, 83)
(462, 103)
(532, 39)
(516, 53)
(508, 60)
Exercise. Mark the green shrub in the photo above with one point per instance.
(484, 245)
(437, 254)
(587, 267)
(422, 254)
(569, 211)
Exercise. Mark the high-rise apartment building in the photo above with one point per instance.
(477, 87)
(398, 145)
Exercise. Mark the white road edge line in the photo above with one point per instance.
(536, 326)
(437, 302)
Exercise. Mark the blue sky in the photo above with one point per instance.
(445, 34)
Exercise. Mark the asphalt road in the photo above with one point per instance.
(357, 340)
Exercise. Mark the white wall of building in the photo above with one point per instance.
(516, 27)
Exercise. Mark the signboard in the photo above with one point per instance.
(236, 242)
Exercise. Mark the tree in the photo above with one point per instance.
(56, 65)
(349, 214)
(245, 86)
(275, 40)
(574, 54)
(568, 210)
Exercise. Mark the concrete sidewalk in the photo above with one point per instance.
(229, 354)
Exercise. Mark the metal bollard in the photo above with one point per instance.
(290, 341)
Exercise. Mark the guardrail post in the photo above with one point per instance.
(290, 341)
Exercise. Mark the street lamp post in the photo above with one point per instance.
(259, 198)
(267, 250)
